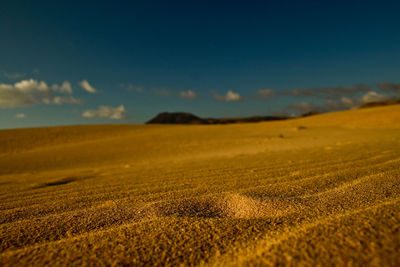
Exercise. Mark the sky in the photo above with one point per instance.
(98, 62)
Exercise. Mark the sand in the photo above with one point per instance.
(322, 190)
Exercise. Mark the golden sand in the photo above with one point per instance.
(318, 190)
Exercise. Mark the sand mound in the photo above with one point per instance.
(216, 206)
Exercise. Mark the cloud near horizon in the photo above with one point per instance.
(334, 105)
(389, 87)
(117, 113)
(373, 96)
(87, 87)
(334, 92)
(20, 116)
(265, 93)
(189, 94)
(30, 92)
(230, 96)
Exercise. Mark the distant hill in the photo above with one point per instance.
(380, 103)
(176, 118)
(188, 118)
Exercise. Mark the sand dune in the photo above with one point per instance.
(319, 190)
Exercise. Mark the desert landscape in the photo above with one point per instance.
(315, 191)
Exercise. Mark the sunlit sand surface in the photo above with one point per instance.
(318, 190)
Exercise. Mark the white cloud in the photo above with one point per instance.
(87, 87)
(11, 97)
(189, 94)
(20, 116)
(374, 97)
(29, 92)
(116, 113)
(230, 96)
(65, 87)
(66, 100)
(31, 85)
(351, 103)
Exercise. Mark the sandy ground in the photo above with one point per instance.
(321, 190)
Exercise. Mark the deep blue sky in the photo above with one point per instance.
(207, 47)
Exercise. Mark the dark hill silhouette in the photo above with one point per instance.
(177, 118)
(188, 118)
(310, 113)
(380, 103)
